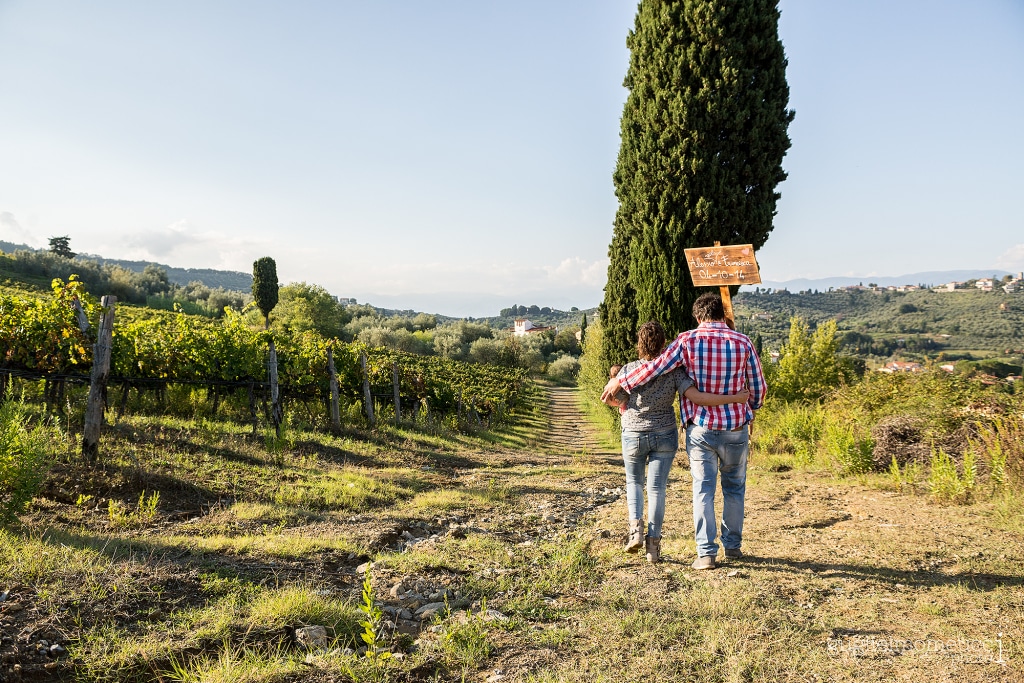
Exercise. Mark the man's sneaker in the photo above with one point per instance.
(733, 553)
(704, 562)
(653, 549)
(636, 536)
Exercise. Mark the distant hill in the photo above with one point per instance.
(11, 247)
(929, 278)
(921, 324)
(228, 279)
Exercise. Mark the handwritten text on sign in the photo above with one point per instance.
(729, 265)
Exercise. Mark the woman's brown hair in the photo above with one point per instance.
(650, 340)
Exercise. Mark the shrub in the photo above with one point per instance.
(851, 452)
(592, 377)
(486, 350)
(564, 367)
(944, 482)
(808, 366)
(22, 458)
(790, 428)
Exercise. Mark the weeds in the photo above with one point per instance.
(123, 517)
(945, 483)
(377, 653)
(853, 455)
(22, 457)
(465, 645)
(904, 479)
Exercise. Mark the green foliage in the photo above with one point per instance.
(850, 452)
(129, 285)
(565, 341)
(905, 478)
(374, 635)
(265, 288)
(465, 645)
(61, 246)
(22, 458)
(809, 365)
(704, 131)
(871, 323)
(564, 368)
(592, 377)
(304, 308)
(1002, 441)
(43, 334)
(790, 428)
(121, 516)
(945, 483)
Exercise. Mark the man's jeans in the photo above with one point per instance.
(712, 451)
(656, 450)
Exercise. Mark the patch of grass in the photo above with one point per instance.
(470, 498)
(307, 606)
(348, 489)
(466, 646)
(236, 664)
(279, 545)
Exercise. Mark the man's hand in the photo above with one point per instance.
(610, 390)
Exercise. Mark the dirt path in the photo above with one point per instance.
(568, 431)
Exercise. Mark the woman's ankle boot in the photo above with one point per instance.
(636, 536)
(653, 550)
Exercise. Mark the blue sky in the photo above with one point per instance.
(457, 156)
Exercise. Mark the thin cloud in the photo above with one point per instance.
(504, 279)
(1012, 258)
(13, 230)
(186, 245)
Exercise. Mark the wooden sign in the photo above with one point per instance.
(719, 266)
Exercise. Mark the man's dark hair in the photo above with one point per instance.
(650, 340)
(708, 307)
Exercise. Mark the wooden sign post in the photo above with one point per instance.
(720, 267)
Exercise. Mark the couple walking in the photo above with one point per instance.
(717, 375)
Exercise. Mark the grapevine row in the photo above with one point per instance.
(45, 335)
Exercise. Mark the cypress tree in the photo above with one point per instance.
(704, 131)
(265, 287)
(583, 330)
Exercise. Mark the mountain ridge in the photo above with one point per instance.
(927, 278)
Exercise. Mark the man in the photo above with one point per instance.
(720, 361)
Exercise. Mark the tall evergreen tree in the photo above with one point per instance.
(265, 288)
(704, 131)
(61, 246)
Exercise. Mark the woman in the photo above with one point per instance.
(650, 438)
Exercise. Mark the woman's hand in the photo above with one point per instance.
(743, 396)
(610, 390)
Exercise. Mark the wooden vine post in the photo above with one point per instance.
(398, 396)
(276, 414)
(98, 381)
(367, 396)
(335, 409)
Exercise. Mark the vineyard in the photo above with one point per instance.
(51, 338)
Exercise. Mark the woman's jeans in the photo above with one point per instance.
(656, 450)
(714, 451)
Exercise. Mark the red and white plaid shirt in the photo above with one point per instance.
(720, 361)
